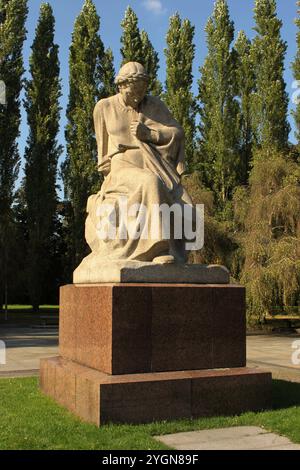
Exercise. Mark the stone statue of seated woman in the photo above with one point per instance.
(141, 155)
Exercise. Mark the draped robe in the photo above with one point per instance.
(144, 173)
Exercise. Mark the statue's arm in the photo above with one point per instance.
(165, 128)
(101, 132)
(166, 131)
(165, 134)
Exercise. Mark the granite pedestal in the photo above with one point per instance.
(134, 353)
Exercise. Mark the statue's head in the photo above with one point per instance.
(132, 81)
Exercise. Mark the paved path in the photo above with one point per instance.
(274, 353)
(26, 346)
(237, 438)
(24, 349)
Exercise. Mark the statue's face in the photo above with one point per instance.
(133, 92)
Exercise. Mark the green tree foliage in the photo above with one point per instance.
(270, 102)
(91, 71)
(296, 70)
(132, 46)
(245, 89)
(43, 91)
(268, 215)
(109, 74)
(151, 64)
(180, 53)
(13, 14)
(220, 246)
(219, 109)
(137, 47)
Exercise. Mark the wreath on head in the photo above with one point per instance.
(131, 72)
(131, 77)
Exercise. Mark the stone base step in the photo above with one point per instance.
(142, 398)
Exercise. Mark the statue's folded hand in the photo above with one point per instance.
(140, 131)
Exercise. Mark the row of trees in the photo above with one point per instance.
(246, 160)
(239, 160)
(12, 35)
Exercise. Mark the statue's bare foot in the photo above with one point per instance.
(165, 259)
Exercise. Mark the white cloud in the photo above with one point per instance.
(155, 6)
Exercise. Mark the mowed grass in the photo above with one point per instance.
(29, 420)
(25, 315)
(28, 308)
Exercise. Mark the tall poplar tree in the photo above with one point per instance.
(43, 91)
(151, 64)
(137, 47)
(180, 53)
(296, 71)
(132, 46)
(108, 79)
(13, 14)
(245, 89)
(89, 70)
(219, 108)
(270, 103)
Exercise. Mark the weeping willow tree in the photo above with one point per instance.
(268, 215)
(219, 245)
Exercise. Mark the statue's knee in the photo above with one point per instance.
(153, 181)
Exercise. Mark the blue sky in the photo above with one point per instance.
(154, 18)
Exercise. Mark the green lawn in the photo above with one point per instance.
(26, 308)
(25, 315)
(29, 420)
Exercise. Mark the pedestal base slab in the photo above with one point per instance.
(100, 398)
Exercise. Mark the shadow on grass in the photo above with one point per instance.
(285, 394)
